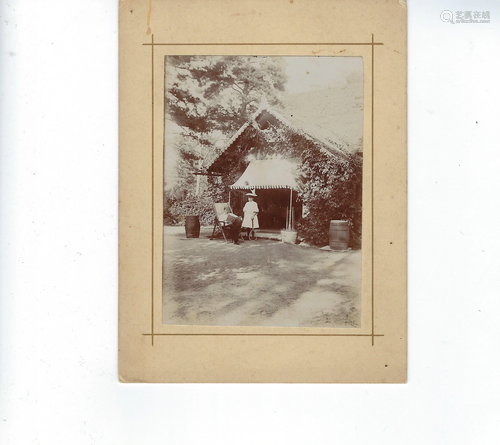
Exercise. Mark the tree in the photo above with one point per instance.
(209, 97)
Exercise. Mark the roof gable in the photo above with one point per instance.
(261, 119)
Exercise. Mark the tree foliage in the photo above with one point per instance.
(210, 97)
(207, 99)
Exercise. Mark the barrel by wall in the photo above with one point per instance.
(339, 235)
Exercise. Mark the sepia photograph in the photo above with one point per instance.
(262, 204)
(263, 192)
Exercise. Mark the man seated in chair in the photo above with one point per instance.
(232, 224)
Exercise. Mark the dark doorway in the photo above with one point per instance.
(273, 205)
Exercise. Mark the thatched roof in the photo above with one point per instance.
(334, 114)
(260, 119)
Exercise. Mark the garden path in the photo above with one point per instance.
(258, 283)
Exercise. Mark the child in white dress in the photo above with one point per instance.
(250, 211)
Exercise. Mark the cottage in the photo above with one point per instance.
(267, 154)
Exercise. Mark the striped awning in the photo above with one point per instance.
(268, 174)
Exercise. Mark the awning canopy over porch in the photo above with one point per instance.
(268, 174)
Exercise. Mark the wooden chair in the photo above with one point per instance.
(221, 222)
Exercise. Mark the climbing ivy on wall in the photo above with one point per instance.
(330, 183)
(332, 190)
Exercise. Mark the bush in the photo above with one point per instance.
(331, 191)
(168, 218)
(192, 205)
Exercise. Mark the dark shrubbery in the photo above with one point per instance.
(168, 218)
(175, 210)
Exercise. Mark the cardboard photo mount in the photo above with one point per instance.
(152, 352)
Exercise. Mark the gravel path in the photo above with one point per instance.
(258, 283)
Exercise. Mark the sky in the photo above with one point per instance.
(316, 73)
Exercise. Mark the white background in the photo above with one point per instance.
(58, 271)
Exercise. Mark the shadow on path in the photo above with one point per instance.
(258, 283)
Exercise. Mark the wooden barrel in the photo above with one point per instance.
(339, 235)
(192, 226)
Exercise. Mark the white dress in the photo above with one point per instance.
(250, 208)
